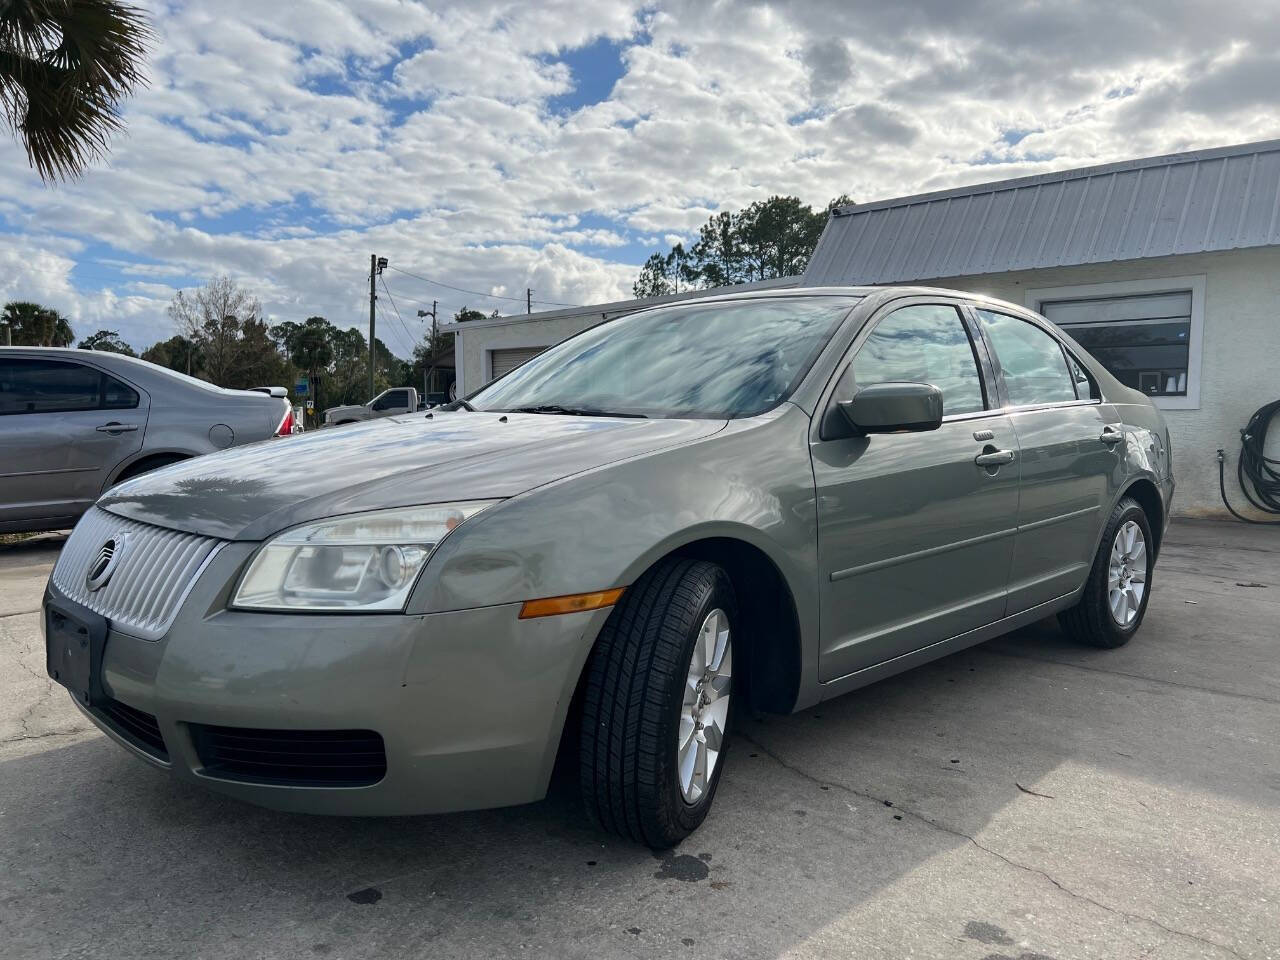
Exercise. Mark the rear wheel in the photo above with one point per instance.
(147, 465)
(1115, 597)
(657, 702)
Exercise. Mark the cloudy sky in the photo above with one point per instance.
(497, 145)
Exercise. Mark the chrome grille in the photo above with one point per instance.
(153, 574)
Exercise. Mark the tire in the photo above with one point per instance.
(638, 699)
(1094, 621)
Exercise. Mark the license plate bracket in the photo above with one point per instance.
(74, 645)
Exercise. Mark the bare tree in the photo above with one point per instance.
(211, 317)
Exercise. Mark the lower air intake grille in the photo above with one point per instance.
(135, 726)
(315, 758)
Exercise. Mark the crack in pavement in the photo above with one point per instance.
(28, 713)
(992, 651)
(19, 613)
(960, 834)
(41, 736)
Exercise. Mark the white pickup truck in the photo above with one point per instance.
(386, 404)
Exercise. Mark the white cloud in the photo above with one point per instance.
(283, 143)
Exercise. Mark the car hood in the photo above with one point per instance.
(251, 492)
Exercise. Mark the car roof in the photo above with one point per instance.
(883, 292)
(125, 366)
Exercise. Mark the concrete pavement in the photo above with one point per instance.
(1025, 799)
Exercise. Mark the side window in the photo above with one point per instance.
(117, 396)
(392, 400)
(47, 386)
(926, 343)
(1034, 366)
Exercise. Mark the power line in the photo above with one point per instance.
(389, 347)
(448, 304)
(477, 293)
(399, 319)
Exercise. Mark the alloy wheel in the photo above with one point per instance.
(704, 712)
(1127, 573)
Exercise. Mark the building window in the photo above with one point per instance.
(1146, 333)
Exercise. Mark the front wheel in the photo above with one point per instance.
(1115, 597)
(656, 706)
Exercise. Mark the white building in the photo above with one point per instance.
(1166, 269)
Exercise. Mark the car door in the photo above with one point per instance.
(1071, 445)
(63, 427)
(915, 536)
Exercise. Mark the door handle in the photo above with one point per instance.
(994, 458)
(114, 427)
(1111, 436)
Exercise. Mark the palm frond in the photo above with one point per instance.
(65, 68)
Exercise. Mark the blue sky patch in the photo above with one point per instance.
(595, 68)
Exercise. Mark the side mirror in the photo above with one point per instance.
(893, 408)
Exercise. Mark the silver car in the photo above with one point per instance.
(75, 422)
(753, 501)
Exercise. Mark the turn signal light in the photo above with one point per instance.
(550, 606)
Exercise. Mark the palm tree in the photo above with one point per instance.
(32, 325)
(65, 67)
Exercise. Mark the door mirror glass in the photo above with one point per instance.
(893, 408)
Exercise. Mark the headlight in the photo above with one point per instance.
(362, 562)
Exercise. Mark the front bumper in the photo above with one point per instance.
(469, 704)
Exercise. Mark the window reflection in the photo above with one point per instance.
(1034, 366)
(926, 343)
(710, 360)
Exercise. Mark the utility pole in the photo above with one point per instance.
(430, 368)
(528, 300)
(8, 335)
(376, 265)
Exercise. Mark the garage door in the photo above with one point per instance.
(504, 361)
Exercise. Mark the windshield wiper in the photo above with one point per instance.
(574, 411)
(454, 405)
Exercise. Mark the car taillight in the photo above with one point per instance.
(286, 424)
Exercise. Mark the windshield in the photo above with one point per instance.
(720, 360)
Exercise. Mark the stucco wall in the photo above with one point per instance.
(1240, 362)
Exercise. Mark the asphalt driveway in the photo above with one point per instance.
(1025, 799)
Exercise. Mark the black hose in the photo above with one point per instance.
(1262, 488)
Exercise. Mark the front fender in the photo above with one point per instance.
(605, 527)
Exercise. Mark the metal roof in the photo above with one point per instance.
(1194, 202)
